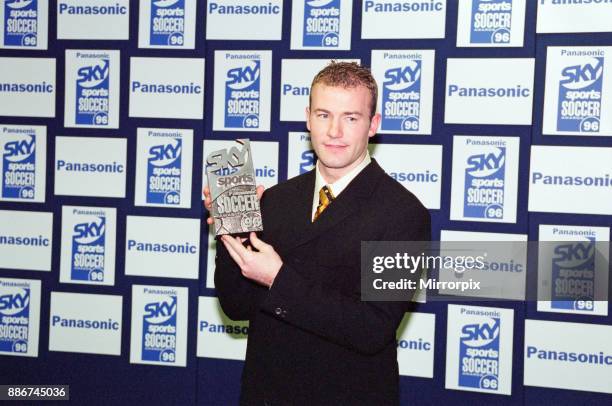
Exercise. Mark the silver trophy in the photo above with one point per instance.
(231, 179)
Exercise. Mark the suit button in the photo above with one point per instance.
(278, 311)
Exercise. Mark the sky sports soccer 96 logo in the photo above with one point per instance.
(308, 162)
(167, 22)
(321, 23)
(573, 276)
(243, 96)
(92, 93)
(164, 173)
(159, 330)
(479, 355)
(491, 21)
(580, 94)
(14, 319)
(20, 23)
(485, 179)
(88, 249)
(19, 168)
(402, 97)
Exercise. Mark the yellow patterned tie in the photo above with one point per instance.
(325, 198)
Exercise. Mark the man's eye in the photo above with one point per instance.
(322, 115)
(351, 119)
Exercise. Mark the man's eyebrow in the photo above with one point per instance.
(319, 110)
(352, 113)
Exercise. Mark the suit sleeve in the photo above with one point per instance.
(365, 327)
(240, 297)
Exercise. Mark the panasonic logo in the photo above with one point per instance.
(39, 241)
(117, 9)
(404, 6)
(419, 177)
(295, 90)
(186, 248)
(109, 324)
(518, 91)
(557, 180)
(206, 326)
(584, 358)
(246, 9)
(114, 167)
(418, 345)
(191, 88)
(42, 87)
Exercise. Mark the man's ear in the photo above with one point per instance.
(374, 123)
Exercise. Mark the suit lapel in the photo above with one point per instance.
(342, 207)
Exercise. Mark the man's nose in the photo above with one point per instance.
(334, 130)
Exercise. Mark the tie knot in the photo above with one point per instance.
(325, 198)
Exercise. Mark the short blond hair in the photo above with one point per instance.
(347, 75)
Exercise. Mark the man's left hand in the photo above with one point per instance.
(261, 266)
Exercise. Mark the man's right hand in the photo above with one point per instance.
(208, 200)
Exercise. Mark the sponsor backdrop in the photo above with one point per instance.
(495, 113)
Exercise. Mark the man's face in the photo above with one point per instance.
(339, 123)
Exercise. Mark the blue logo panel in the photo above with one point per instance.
(401, 97)
(167, 22)
(573, 276)
(14, 321)
(491, 21)
(159, 331)
(485, 179)
(20, 23)
(88, 248)
(479, 355)
(321, 23)
(580, 93)
(308, 161)
(92, 94)
(164, 173)
(242, 96)
(19, 169)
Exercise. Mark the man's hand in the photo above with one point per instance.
(261, 266)
(208, 200)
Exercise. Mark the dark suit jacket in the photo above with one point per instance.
(311, 339)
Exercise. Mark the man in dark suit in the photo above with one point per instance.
(312, 340)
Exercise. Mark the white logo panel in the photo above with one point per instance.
(163, 167)
(85, 323)
(88, 245)
(167, 88)
(568, 355)
(167, 24)
(405, 90)
(89, 166)
(23, 163)
(556, 16)
(489, 91)
(93, 19)
(417, 167)
(24, 24)
(485, 178)
(321, 24)
(218, 336)
(570, 180)
(19, 317)
(92, 89)
(479, 349)
(162, 247)
(27, 87)
(159, 325)
(491, 23)
(244, 20)
(399, 20)
(415, 345)
(25, 240)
